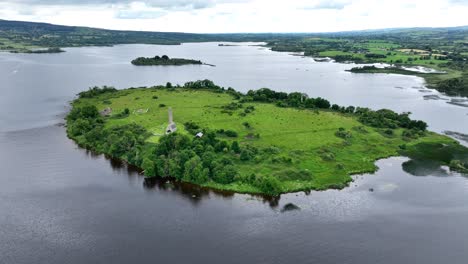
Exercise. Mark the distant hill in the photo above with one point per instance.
(21, 36)
(49, 35)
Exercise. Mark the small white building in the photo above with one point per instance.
(199, 135)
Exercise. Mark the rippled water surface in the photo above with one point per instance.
(61, 204)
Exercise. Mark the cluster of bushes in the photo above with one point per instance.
(342, 109)
(283, 99)
(412, 133)
(233, 106)
(95, 91)
(249, 109)
(267, 184)
(192, 127)
(452, 154)
(375, 56)
(123, 114)
(385, 118)
(230, 108)
(343, 133)
(458, 165)
(343, 58)
(196, 160)
(326, 154)
(227, 133)
(248, 153)
(294, 174)
(202, 84)
(200, 160)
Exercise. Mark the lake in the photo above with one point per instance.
(63, 204)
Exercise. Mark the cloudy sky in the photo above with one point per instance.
(213, 16)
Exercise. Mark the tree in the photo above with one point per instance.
(165, 57)
(221, 146)
(148, 167)
(268, 184)
(94, 135)
(175, 168)
(172, 142)
(418, 124)
(246, 154)
(235, 147)
(322, 103)
(89, 111)
(208, 159)
(230, 133)
(168, 85)
(162, 169)
(194, 171)
(350, 109)
(225, 175)
(80, 127)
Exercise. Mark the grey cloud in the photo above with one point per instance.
(164, 4)
(463, 2)
(328, 5)
(129, 14)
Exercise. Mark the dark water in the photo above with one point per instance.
(62, 204)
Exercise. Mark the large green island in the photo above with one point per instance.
(263, 142)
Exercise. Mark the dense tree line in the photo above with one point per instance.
(373, 69)
(385, 118)
(200, 160)
(375, 56)
(283, 99)
(95, 91)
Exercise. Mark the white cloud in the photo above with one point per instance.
(242, 15)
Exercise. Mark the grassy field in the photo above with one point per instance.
(303, 140)
(392, 52)
(9, 45)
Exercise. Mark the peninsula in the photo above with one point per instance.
(391, 70)
(163, 61)
(263, 141)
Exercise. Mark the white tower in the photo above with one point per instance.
(171, 127)
(171, 118)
